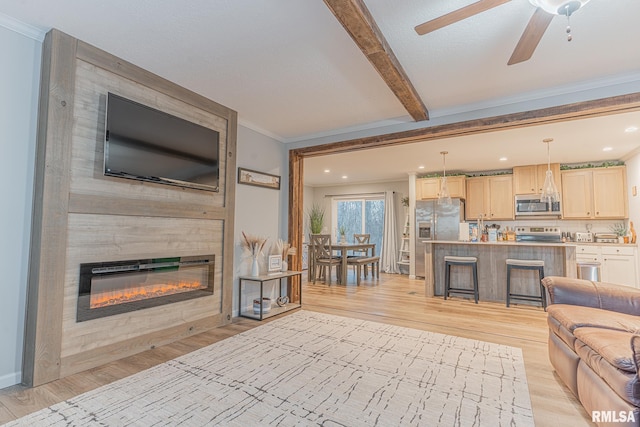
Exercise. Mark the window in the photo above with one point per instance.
(360, 215)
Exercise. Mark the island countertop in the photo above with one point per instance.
(501, 243)
(551, 244)
(559, 260)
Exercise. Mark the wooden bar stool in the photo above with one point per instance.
(526, 264)
(461, 261)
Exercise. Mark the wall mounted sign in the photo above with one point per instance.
(260, 179)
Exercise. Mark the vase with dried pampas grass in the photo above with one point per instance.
(253, 245)
(284, 249)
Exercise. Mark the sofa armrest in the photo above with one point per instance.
(607, 296)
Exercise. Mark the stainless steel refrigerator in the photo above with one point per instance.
(435, 222)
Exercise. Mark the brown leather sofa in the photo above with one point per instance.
(594, 348)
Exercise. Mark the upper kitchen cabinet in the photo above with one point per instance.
(595, 193)
(491, 197)
(429, 188)
(530, 179)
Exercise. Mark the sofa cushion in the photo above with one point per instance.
(561, 332)
(624, 384)
(635, 347)
(575, 316)
(613, 346)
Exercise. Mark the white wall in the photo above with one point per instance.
(259, 211)
(633, 179)
(19, 85)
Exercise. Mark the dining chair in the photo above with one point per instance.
(324, 258)
(359, 238)
(361, 258)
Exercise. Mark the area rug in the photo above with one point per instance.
(308, 369)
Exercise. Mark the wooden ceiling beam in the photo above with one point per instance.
(579, 110)
(357, 20)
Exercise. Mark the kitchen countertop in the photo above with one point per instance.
(514, 243)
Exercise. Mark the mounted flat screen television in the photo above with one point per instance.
(146, 144)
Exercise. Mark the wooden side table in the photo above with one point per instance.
(253, 289)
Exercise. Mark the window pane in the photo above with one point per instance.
(350, 216)
(374, 222)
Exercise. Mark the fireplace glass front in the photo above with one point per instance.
(109, 288)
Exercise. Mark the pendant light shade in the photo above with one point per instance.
(550, 192)
(444, 198)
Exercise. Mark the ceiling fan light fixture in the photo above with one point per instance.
(559, 7)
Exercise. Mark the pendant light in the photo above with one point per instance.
(549, 190)
(443, 197)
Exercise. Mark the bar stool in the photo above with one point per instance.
(462, 261)
(526, 264)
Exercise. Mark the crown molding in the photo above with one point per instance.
(20, 27)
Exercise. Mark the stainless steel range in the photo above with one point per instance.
(538, 234)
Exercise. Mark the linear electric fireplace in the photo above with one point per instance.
(108, 288)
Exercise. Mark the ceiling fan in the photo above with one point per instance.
(544, 13)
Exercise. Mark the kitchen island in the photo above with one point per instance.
(559, 260)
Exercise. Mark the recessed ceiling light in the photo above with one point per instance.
(503, 159)
(607, 149)
(420, 167)
(631, 129)
(327, 170)
(344, 177)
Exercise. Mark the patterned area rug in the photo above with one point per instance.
(315, 369)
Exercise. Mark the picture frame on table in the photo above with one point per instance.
(259, 179)
(274, 264)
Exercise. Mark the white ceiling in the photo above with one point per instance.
(482, 152)
(292, 72)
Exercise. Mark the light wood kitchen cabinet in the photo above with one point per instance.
(475, 203)
(429, 188)
(491, 197)
(530, 179)
(610, 192)
(595, 193)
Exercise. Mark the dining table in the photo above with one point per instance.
(343, 249)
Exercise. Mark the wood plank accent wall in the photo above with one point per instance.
(43, 331)
(82, 216)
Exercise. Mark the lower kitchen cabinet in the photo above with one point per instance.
(618, 264)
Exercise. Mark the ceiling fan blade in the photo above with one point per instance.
(458, 15)
(531, 37)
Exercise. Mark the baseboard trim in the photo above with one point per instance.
(10, 379)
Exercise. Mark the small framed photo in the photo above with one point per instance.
(275, 263)
(260, 179)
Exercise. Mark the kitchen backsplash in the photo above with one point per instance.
(571, 226)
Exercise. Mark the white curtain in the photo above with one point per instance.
(389, 255)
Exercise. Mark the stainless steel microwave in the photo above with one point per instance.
(532, 205)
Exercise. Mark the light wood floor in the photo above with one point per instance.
(392, 299)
